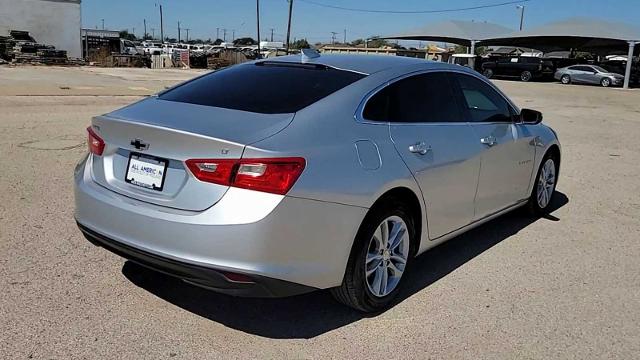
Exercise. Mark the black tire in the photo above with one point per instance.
(526, 76)
(488, 73)
(605, 82)
(354, 291)
(533, 205)
(565, 79)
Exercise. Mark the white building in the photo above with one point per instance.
(50, 22)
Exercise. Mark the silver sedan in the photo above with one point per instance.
(287, 175)
(588, 74)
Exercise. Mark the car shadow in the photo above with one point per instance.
(310, 315)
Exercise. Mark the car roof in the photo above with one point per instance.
(366, 64)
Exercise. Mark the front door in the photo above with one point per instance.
(508, 148)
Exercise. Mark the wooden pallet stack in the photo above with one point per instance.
(22, 48)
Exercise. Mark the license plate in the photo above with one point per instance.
(146, 171)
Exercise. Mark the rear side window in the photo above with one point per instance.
(582, 68)
(482, 102)
(268, 87)
(531, 60)
(420, 98)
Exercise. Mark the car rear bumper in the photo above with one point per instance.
(209, 278)
(299, 241)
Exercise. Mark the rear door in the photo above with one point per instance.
(581, 74)
(430, 135)
(507, 148)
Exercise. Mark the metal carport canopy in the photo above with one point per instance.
(465, 33)
(583, 34)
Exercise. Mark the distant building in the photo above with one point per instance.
(387, 50)
(50, 22)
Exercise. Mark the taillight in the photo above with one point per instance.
(213, 171)
(272, 175)
(94, 142)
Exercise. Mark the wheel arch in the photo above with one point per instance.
(408, 197)
(554, 150)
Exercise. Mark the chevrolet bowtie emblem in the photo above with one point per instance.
(139, 144)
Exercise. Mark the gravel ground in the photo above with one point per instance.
(567, 286)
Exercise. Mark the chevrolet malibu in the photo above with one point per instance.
(588, 74)
(282, 176)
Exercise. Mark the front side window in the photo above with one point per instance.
(423, 98)
(482, 102)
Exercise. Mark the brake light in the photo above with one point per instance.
(272, 175)
(94, 142)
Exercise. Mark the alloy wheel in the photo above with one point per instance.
(546, 183)
(387, 256)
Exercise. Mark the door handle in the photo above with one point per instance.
(489, 141)
(420, 148)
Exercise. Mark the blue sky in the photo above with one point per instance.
(316, 23)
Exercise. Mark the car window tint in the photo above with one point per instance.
(482, 102)
(268, 88)
(420, 98)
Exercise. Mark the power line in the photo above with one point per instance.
(414, 11)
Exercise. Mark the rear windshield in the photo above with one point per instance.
(268, 87)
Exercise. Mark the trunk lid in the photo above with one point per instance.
(175, 132)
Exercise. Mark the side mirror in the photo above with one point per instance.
(529, 116)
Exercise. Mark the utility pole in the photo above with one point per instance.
(224, 35)
(161, 26)
(345, 37)
(144, 21)
(233, 35)
(217, 33)
(333, 37)
(187, 30)
(521, 7)
(258, 24)
(153, 33)
(102, 24)
(133, 31)
(271, 34)
(289, 25)
(179, 31)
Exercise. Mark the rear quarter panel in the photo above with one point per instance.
(325, 134)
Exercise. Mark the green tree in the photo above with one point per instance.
(125, 34)
(245, 41)
(480, 50)
(357, 42)
(300, 44)
(376, 42)
(459, 49)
